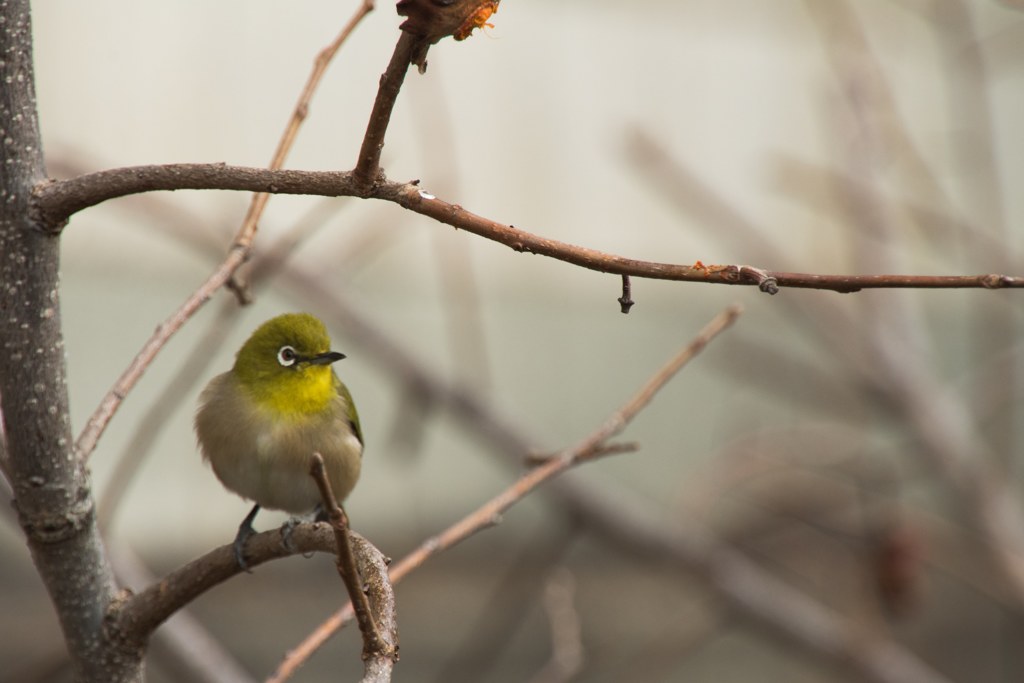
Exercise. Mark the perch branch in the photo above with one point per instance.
(140, 614)
(182, 644)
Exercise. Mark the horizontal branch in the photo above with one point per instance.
(411, 197)
(58, 200)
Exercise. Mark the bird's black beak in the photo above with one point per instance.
(326, 358)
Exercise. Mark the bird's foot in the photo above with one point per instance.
(319, 514)
(287, 529)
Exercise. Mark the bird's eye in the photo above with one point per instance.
(287, 356)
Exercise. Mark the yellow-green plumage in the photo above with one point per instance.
(259, 423)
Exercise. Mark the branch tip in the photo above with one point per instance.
(625, 301)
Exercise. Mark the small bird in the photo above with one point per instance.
(259, 424)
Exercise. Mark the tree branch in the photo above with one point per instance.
(140, 614)
(56, 200)
(182, 644)
(368, 165)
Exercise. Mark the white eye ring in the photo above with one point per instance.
(287, 356)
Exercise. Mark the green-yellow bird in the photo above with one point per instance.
(260, 423)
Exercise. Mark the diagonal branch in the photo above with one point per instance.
(489, 513)
(99, 419)
(749, 591)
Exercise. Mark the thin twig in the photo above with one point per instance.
(626, 300)
(489, 513)
(368, 164)
(237, 256)
(374, 644)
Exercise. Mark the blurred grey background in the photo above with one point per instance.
(830, 137)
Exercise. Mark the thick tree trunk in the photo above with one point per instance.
(51, 485)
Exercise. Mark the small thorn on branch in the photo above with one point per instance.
(625, 301)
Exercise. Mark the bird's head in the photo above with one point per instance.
(286, 364)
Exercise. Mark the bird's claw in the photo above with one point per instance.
(245, 530)
(239, 546)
